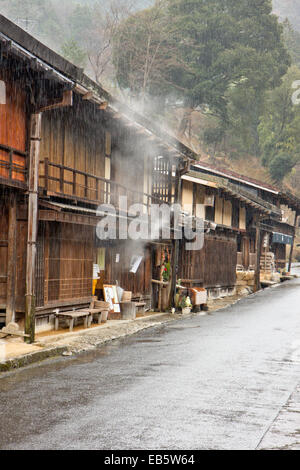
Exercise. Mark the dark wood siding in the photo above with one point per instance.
(220, 262)
(69, 262)
(40, 266)
(214, 265)
(21, 264)
(69, 139)
(21, 259)
(12, 129)
(139, 283)
(192, 265)
(3, 253)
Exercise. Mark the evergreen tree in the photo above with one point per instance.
(279, 127)
(74, 53)
(292, 41)
(225, 43)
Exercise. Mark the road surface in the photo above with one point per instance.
(214, 382)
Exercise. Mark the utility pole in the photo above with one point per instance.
(34, 153)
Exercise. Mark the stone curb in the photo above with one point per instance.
(54, 351)
(106, 327)
(151, 321)
(27, 359)
(87, 340)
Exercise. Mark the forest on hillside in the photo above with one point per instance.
(218, 74)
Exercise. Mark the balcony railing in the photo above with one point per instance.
(62, 180)
(12, 164)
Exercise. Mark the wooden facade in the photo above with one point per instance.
(230, 216)
(118, 262)
(12, 128)
(64, 263)
(71, 141)
(213, 266)
(3, 254)
(241, 206)
(63, 152)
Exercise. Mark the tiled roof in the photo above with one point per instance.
(237, 176)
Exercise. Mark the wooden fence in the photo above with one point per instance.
(63, 180)
(12, 164)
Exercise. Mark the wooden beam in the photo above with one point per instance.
(104, 105)
(88, 95)
(48, 205)
(35, 137)
(67, 100)
(11, 260)
(162, 283)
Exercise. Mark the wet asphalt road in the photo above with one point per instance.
(214, 382)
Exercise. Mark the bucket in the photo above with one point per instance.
(104, 316)
(95, 281)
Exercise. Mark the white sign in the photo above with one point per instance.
(135, 263)
(96, 271)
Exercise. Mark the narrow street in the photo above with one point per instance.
(213, 382)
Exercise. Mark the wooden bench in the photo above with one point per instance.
(12, 330)
(100, 309)
(72, 316)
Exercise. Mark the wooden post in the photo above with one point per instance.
(174, 272)
(35, 137)
(175, 243)
(258, 254)
(292, 245)
(11, 260)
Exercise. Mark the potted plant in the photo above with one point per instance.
(166, 272)
(186, 305)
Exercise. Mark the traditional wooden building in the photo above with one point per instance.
(245, 223)
(67, 147)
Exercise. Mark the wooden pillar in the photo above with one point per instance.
(11, 260)
(176, 244)
(293, 243)
(33, 177)
(257, 284)
(246, 252)
(174, 272)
